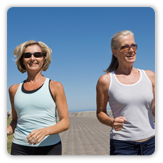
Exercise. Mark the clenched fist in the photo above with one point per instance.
(118, 123)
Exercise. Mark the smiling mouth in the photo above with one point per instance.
(32, 64)
(130, 56)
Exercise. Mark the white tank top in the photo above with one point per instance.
(134, 102)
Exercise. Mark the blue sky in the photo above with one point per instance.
(80, 41)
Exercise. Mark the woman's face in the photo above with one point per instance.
(33, 63)
(126, 55)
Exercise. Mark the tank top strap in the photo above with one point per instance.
(46, 81)
(111, 79)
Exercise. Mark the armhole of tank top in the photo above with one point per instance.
(54, 102)
(110, 82)
(147, 76)
(19, 87)
(50, 90)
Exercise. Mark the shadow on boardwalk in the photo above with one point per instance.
(86, 136)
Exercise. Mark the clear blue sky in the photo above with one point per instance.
(80, 42)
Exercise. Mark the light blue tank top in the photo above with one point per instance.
(35, 110)
(135, 103)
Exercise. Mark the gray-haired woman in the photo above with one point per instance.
(131, 95)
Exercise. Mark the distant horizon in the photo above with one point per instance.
(85, 110)
(71, 111)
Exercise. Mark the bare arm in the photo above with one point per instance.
(102, 99)
(12, 126)
(151, 76)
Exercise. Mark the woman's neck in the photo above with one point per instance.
(125, 70)
(34, 77)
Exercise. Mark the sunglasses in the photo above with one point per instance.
(127, 47)
(36, 55)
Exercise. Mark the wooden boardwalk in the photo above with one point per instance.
(86, 136)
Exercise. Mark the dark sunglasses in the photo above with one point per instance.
(127, 47)
(36, 54)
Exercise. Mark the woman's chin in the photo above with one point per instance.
(130, 60)
(33, 69)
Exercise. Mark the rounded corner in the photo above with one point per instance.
(152, 8)
(8, 154)
(9, 9)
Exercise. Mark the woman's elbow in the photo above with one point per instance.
(98, 116)
(66, 125)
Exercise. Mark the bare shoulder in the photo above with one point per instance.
(57, 89)
(104, 80)
(56, 86)
(151, 75)
(13, 89)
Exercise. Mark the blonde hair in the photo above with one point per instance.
(19, 50)
(115, 45)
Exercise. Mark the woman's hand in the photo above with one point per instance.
(9, 132)
(118, 123)
(11, 127)
(36, 136)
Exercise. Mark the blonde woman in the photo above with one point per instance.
(34, 102)
(131, 95)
